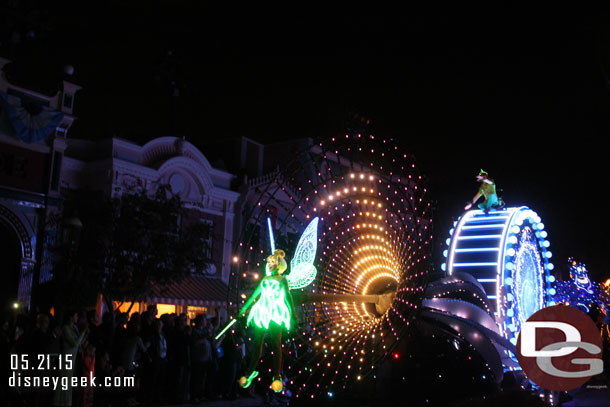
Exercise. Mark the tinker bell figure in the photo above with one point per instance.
(488, 191)
(274, 308)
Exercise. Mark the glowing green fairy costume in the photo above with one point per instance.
(272, 304)
(275, 302)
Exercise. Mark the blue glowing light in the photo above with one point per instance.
(579, 291)
(506, 251)
(527, 275)
(271, 239)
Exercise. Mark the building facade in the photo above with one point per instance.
(33, 132)
(40, 165)
(114, 165)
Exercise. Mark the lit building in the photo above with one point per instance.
(114, 165)
(33, 130)
(265, 192)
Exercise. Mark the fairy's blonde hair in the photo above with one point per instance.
(278, 255)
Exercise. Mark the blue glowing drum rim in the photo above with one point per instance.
(507, 251)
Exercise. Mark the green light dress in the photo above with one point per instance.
(272, 304)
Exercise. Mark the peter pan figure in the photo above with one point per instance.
(273, 310)
(488, 191)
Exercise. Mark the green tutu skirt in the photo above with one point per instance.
(271, 306)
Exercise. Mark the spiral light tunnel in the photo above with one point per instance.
(372, 258)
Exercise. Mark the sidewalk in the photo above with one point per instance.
(590, 398)
(596, 393)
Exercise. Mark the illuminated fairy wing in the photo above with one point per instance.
(302, 270)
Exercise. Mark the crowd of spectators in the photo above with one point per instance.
(171, 360)
(150, 359)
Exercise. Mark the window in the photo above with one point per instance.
(165, 309)
(208, 236)
(193, 311)
(68, 101)
(127, 307)
(56, 171)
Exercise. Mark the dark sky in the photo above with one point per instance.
(520, 91)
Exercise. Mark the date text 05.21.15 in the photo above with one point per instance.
(42, 362)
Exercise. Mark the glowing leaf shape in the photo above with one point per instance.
(302, 270)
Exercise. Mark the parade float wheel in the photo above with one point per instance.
(507, 251)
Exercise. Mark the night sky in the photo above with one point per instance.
(519, 91)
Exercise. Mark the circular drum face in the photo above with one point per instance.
(528, 276)
(507, 252)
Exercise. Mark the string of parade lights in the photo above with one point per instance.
(372, 258)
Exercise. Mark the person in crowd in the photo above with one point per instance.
(104, 369)
(40, 338)
(213, 379)
(182, 358)
(39, 343)
(71, 342)
(88, 371)
(147, 318)
(95, 331)
(7, 339)
(200, 358)
(158, 371)
(119, 336)
(181, 362)
(105, 334)
(230, 364)
(133, 348)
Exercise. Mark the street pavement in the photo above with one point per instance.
(596, 393)
(238, 402)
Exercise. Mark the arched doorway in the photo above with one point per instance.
(10, 268)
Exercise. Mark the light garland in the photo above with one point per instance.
(373, 238)
(580, 292)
